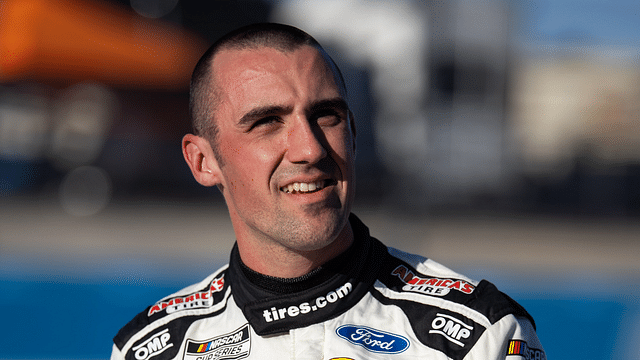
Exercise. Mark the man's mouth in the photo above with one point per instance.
(303, 187)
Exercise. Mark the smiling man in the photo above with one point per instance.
(305, 280)
(282, 157)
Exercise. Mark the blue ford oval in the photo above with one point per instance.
(373, 340)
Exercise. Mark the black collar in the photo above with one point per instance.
(274, 305)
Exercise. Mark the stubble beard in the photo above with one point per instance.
(303, 236)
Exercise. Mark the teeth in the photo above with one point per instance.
(303, 187)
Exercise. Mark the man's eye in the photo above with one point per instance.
(265, 121)
(328, 118)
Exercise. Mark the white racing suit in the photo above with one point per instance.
(371, 302)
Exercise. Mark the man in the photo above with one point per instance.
(305, 280)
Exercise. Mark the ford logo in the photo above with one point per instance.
(373, 340)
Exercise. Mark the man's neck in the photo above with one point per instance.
(274, 260)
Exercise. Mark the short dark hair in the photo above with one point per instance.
(203, 92)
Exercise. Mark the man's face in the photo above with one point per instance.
(286, 144)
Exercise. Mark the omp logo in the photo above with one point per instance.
(192, 301)
(451, 328)
(373, 340)
(234, 345)
(155, 345)
(520, 348)
(430, 286)
(275, 314)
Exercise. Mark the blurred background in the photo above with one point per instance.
(500, 138)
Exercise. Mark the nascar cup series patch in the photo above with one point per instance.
(521, 348)
(233, 345)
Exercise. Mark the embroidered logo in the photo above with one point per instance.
(373, 340)
(520, 348)
(153, 346)
(275, 314)
(430, 286)
(451, 328)
(234, 345)
(192, 301)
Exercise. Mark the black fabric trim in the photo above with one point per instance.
(495, 304)
(177, 329)
(520, 311)
(422, 318)
(334, 289)
(277, 285)
(315, 278)
(135, 325)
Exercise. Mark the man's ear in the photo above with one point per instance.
(199, 156)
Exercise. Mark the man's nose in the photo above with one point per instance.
(305, 143)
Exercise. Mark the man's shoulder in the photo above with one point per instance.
(409, 278)
(406, 272)
(448, 311)
(189, 304)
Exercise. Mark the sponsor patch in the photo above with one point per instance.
(275, 314)
(520, 348)
(234, 345)
(373, 340)
(192, 301)
(153, 346)
(451, 328)
(430, 286)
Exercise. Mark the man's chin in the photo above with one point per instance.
(314, 238)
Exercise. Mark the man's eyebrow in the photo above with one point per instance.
(264, 111)
(335, 103)
(261, 112)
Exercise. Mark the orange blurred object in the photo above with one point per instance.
(77, 40)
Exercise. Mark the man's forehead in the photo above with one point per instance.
(233, 60)
(238, 71)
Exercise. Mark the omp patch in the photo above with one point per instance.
(233, 345)
(451, 328)
(153, 346)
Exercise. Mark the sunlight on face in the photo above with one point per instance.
(287, 146)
